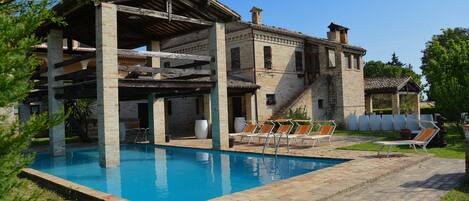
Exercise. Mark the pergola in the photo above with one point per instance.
(112, 29)
(395, 87)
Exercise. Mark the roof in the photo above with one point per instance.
(234, 82)
(336, 27)
(285, 31)
(135, 31)
(390, 84)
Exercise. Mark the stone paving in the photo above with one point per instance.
(428, 181)
(323, 184)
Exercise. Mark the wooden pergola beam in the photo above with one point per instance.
(161, 15)
(75, 60)
(170, 71)
(167, 55)
(77, 75)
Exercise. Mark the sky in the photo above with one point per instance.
(380, 26)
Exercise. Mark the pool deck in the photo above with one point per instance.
(324, 184)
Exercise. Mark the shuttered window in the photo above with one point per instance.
(268, 57)
(331, 58)
(235, 59)
(299, 61)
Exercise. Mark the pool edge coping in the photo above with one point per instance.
(66, 188)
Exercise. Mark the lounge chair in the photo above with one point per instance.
(301, 131)
(325, 132)
(265, 129)
(422, 139)
(249, 128)
(285, 127)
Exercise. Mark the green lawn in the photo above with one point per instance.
(458, 194)
(28, 190)
(454, 148)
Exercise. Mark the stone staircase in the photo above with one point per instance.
(293, 100)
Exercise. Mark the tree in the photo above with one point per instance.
(445, 64)
(395, 61)
(380, 69)
(19, 21)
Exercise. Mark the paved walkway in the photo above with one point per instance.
(429, 180)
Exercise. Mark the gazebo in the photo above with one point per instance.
(394, 87)
(112, 30)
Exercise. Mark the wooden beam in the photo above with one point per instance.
(125, 52)
(163, 84)
(161, 15)
(75, 60)
(165, 71)
(77, 75)
(191, 65)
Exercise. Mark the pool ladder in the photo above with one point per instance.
(276, 143)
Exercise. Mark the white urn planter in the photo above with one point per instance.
(239, 123)
(201, 129)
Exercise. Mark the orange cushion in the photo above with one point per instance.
(266, 128)
(249, 128)
(326, 130)
(425, 134)
(284, 129)
(303, 129)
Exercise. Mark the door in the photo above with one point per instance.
(143, 115)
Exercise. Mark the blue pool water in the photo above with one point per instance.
(168, 173)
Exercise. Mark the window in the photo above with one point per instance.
(268, 57)
(356, 61)
(320, 104)
(270, 99)
(167, 64)
(169, 108)
(331, 58)
(235, 59)
(348, 61)
(299, 61)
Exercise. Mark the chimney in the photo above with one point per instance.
(338, 33)
(256, 15)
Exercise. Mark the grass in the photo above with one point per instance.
(454, 148)
(28, 190)
(458, 194)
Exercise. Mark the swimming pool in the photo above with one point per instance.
(149, 172)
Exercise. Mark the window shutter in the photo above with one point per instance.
(268, 57)
(235, 59)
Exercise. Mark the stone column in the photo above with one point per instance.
(55, 55)
(156, 112)
(207, 111)
(396, 108)
(107, 85)
(249, 103)
(416, 105)
(219, 95)
(368, 104)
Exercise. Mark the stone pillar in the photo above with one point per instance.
(368, 104)
(107, 85)
(416, 105)
(396, 108)
(55, 55)
(207, 110)
(219, 95)
(156, 110)
(249, 102)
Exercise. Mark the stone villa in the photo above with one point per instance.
(290, 70)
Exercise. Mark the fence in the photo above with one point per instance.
(388, 122)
